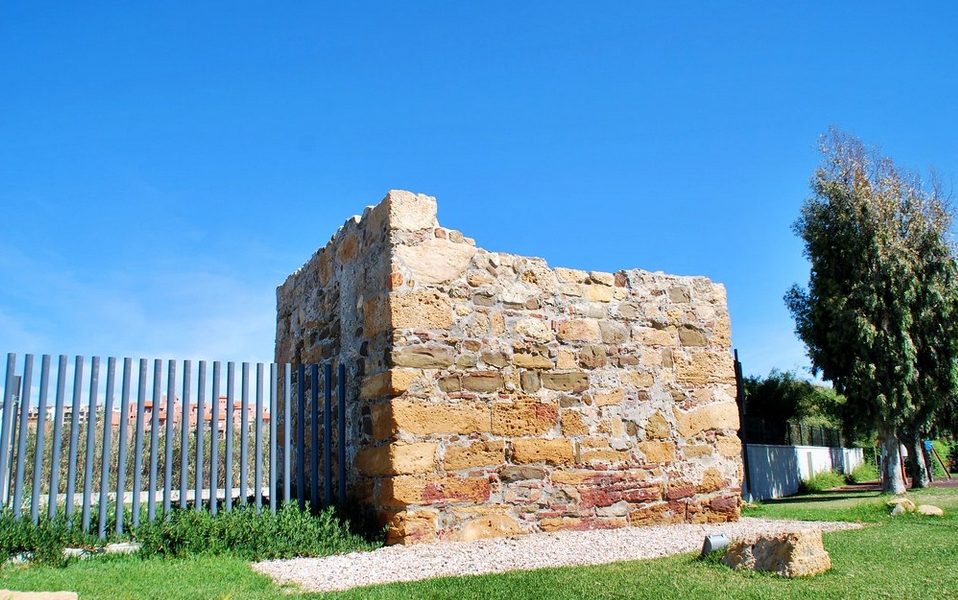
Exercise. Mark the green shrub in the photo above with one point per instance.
(250, 535)
(863, 473)
(43, 541)
(945, 451)
(820, 482)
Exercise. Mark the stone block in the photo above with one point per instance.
(537, 330)
(610, 398)
(423, 356)
(422, 418)
(526, 360)
(388, 383)
(597, 293)
(573, 424)
(692, 336)
(408, 211)
(580, 524)
(649, 336)
(703, 367)
(793, 554)
(13, 595)
(570, 275)
(637, 379)
(533, 450)
(406, 490)
(524, 417)
(658, 451)
(482, 381)
(729, 446)
(476, 454)
(434, 260)
(658, 427)
(511, 474)
(487, 526)
(579, 330)
(420, 309)
(717, 415)
(413, 527)
(529, 381)
(397, 459)
(575, 381)
(593, 357)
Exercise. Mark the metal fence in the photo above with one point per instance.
(118, 451)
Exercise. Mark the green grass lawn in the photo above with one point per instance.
(902, 558)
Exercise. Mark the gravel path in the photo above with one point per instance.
(534, 551)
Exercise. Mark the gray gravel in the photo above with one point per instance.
(534, 551)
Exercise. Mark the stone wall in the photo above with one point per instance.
(493, 395)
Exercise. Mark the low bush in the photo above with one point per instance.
(44, 541)
(820, 482)
(250, 535)
(863, 473)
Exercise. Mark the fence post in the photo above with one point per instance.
(41, 433)
(57, 441)
(5, 429)
(122, 441)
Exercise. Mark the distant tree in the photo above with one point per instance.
(880, 316)
(781, 398)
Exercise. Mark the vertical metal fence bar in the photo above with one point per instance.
(287, 429)
(328, 432)
(258, 440)
(314, 436)
(168, 438)
(74, 437)
(25, 392)
(228, 451)
(301, 435)
(57, 437)
(15, 418)
(273, 401)
(244, 436)
(90, 442)
(122, 443)
(138, 442)
(5, 429)
(40, 439)
(154, 439)
(200, 415)
(107, 437)
(215, 438)
(342, 433)
(184, 431)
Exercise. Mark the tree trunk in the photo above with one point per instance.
(917, 466)
(892, 481)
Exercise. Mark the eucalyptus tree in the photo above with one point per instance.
(879, 318)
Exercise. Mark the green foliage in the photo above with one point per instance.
(44, 541)
(863, 473)
(247, 534)
(783, 401)
(880, 316)
(820, 482)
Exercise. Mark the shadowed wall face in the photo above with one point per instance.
(493, 395)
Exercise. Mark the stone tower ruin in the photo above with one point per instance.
(490, 394)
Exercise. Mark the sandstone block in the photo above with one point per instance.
(534, 329)
(526, 360)
(511, 474)
(579, 330)
(420, 309)
(529, 381)
(659, 513)
(636, 379)
(593, 357)
(573, 424)
(12, 595)
(477, 454)
(613, 332)
(388, 383)
(658, 451)
(397, 459)
(523, 417)
(657, 427)
(553, 452)
(729, 446)
(413, 527)
(718, 415)
(482, 381)
(434, 260)
(406, 490)
(605, 456)
(487, 526)
(424, 356)
(427, 418)
(570, 275)
(409, 212)
(712, 480)
(597, 293)
(649, 336)
(692, 336)
(576, 381)
(610, 398)
(703, 367)
(793, 554)
(929, 510)
(580, 524)
(602, 278)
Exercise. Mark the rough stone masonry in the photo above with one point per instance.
(492, 395)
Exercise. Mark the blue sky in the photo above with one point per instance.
(164, 166)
